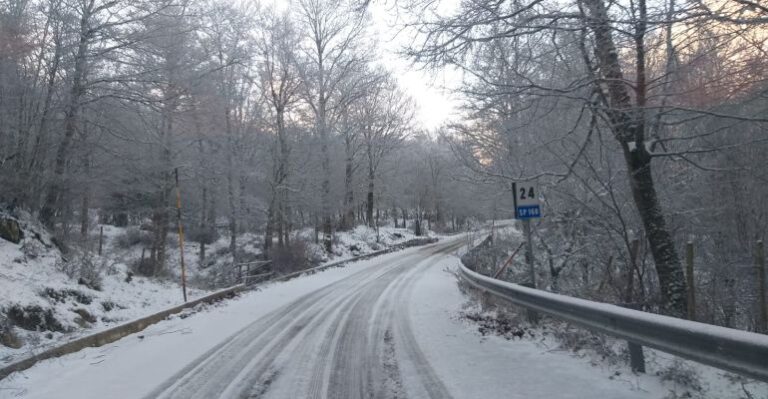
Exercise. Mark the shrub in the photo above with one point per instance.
(682, 375)
(142, 267)
(290, 258)
(202, 235)
(315, 253)
(34, 318)
(90, 272)
(84, 268)
(133, 236)
(64, 295)
(32, 249)
(221, 251)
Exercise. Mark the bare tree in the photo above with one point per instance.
(335, 30)
(387, 119)
(98, 20)
(278, 69)
(229, 46)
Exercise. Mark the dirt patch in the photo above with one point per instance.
(10, 230)
(7, 336)
(85, 315)
(491, 324)
(11, 340)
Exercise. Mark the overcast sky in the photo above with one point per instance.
(430, 89)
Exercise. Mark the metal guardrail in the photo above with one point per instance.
(738, 351)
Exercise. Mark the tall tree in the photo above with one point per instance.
(335, 30)
(386, 116)
(279, 76)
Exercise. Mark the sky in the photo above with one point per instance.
(430, 89)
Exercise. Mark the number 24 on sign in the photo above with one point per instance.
(526, 202)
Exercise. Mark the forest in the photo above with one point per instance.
(269, 120)
(643, 122)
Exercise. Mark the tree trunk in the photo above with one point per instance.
(369, 199)
(326, 185)
(349, 198)
(280, 225)
(202, 254)
(629, 130)
(231, 183)
(317, 230)
(668, 266)
(270, 225)
(204, 230)
(287, 218)
(232, 212)
(71, 119)
(160, 233)
(41, 140)
(85, 204)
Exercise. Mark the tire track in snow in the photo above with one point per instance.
(341, 341)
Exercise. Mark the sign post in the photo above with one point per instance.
(527, 207)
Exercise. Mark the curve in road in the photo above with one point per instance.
(350, 339)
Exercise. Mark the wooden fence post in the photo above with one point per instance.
(689, 281)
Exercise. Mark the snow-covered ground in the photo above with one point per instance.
(394, 318)
(359, 241)
(477, 366)
(36, 282)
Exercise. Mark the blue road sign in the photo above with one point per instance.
(528, 212)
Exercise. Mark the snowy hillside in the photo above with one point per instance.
(49, 298)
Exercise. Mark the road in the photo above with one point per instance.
(350, 339)
(381, 328)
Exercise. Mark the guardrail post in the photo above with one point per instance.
(533, 317)
(636, 354)
(636, 357)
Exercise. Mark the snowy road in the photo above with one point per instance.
(383, 328)
(336, 342)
